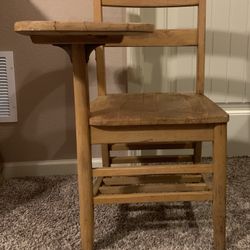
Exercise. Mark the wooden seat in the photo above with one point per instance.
(157, 121)
(154, 109)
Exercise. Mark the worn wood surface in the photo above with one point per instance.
(124, 120)
(219, 186)
(153, 188)
(200, 73)
(151, 159)
(99, 53)
(150, 179)
(153, 197)
(153, 169)
(150, 3)
(160, 38)
(139, 118)
(153, 133)
(84, 162)
(135, 146)
(101, 76)
(79, 28)
(154, 109)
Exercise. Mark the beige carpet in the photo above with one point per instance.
(42, 213)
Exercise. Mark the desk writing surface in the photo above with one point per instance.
(58, 32)
(80, 28)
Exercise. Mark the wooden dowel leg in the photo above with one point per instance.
(84, 165)
(219, 186)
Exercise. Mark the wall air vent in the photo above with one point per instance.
(8, 110)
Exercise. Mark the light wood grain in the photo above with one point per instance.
(153, 188)
(100, 70)
(174, 145)
(84, 163)
(98, 15)
(152, 197)
(77, 28)
(151, 159)
(200, 74)
(149, 179)
(153, 169)
(100, 57)
(219, 186)
(159, 38)
(152, 3)
(139, 118)
(154, 109)
(101, 75)
(149, 134)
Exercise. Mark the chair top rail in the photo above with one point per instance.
(149, 3)
(161, 38)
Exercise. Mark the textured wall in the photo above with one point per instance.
(45, 128)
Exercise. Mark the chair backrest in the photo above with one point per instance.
(168, 37)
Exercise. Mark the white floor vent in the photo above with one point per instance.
(8, 110)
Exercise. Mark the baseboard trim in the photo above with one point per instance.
(43, 168)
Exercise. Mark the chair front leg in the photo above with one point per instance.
(219, 186)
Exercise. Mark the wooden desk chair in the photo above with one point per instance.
(195, 148)
(156, 118)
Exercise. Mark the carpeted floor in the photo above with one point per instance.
(42, 213)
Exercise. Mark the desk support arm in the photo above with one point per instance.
(88, 49)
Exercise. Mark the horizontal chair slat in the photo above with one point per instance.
(153, 188)
(149, 179)
(151, 134)
(152, 197)
(120, 147)
(153, 169)
(151, 158)
(171, 37)
(149, 3)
